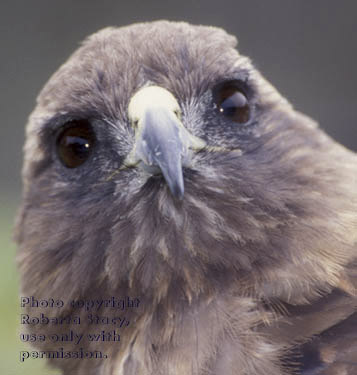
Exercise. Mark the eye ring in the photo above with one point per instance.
(232, 101)
(75, 143)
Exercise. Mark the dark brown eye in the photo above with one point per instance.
(232, 102)
(75, 143)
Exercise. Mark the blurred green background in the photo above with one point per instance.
(307, 49)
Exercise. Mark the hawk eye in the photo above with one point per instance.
(75, 143)
(232, 102)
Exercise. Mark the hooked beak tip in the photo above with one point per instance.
(175, 182)
(177, 191)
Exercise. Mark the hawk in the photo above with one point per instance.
(160, 165)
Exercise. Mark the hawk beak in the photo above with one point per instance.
(159, 144)
(162, 142)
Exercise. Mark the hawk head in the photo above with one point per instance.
(159, 162)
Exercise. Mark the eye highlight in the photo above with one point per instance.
(232, 102)
(75, 143)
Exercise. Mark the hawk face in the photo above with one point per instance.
(159, 161)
